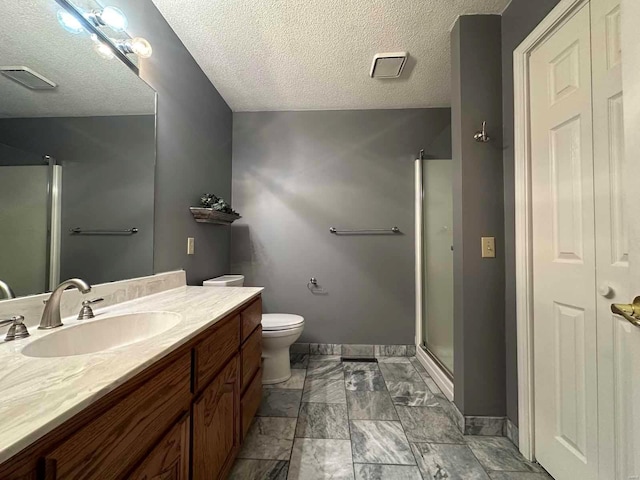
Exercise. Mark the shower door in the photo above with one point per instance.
(436, 269)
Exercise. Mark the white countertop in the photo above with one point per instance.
(39, 394)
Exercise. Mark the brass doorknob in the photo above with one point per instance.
(630, 312)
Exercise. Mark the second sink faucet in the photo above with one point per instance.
(51, 315)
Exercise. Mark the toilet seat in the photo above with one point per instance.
(277, 322)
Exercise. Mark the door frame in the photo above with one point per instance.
(523, 217)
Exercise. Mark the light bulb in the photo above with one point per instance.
(103, 50)
(69, 22)
(114, 18)
(141, 47)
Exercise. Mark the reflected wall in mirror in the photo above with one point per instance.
(76, 152)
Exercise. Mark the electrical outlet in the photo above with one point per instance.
(488, 247)
(191, 246)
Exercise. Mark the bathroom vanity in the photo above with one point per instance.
(173, 406)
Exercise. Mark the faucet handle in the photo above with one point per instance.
(86, 312)
(17, 329)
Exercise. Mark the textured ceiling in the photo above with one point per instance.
(316, 54)
(87, 84)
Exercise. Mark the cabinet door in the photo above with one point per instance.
(118, 438)
(216, 426)
(169, 460)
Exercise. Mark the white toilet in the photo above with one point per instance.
(279, 332)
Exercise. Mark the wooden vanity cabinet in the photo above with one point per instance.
(169, 459)
(183, 418)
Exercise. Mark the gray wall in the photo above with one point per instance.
(295, 174)
(13, 156)
(194, 148)
(107, 183)
(479, 343)
(518, 20)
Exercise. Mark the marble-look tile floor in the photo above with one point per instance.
(368, 421)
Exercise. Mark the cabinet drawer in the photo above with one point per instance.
(114, 442)
(251, 356)
(251, 402)
(212, 353)
(251, 318)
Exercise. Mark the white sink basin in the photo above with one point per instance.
(102, 334)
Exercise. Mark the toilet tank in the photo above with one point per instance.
(225, 281)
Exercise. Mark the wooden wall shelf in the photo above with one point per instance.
(209, 215)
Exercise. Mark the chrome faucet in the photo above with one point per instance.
(6, 291)
(51, 314)
(17, 329)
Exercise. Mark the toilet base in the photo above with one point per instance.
(276, 367)
(277, 380)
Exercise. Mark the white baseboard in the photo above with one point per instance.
(441, 379)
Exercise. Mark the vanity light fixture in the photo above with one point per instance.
(137, 45)
(102, 48)
(75, 21)
(111, 17)
(69, 22)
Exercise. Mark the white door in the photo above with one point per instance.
(586, 241)
(564, 283)
(618, 340)
(626, 337)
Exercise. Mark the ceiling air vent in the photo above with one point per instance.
(388, 65)
(28, 78)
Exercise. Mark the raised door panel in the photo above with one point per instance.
(571, 414)
(566, 187)
(251, 402)
(169, 460)
(626, 399)
(216, 424)
(116, 440)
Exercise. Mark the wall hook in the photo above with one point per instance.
(481, 136)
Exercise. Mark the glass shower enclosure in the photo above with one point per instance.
(434, 260)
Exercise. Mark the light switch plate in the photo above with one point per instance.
(488, 247)
(191, 246)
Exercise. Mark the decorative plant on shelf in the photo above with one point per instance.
(214, 210)
(209, 200)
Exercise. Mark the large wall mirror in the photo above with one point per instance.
(77, 154)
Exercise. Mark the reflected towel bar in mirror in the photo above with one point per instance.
(79, 231)
(365, 231)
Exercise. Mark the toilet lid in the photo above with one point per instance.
(280, 321)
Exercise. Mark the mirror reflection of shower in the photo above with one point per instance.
(29, 222)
